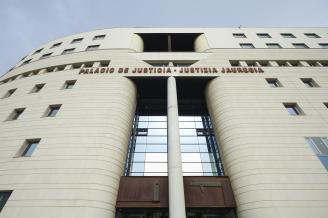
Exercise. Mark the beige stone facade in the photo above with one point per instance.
(76, 167)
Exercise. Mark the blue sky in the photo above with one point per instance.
(26, 24)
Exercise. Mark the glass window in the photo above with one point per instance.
(207, 157)
(157, 118)
(78, 40)
(319, 145)
(191, 157)
(209, 167)
(186, 118)
(199, 151)
(45, 55)
(92, 47)
(273, 82)
(143, 124)
(309, 82)
(156, 148)
(192, 168)
(141, 140)
(27, 61)
(67, 51)
(187, 125)
(188, 132)
(188, 140)
(155, 167)
(202, 139)
(56, 45)
(16, 114)
(143, 118)
(38, 51)
(263, 35)
(9, 93)
(203, 148)
(273, 45)
(53, 110)
(239, 35)
(156, 157)
(287, 35)
(246, 45)
(323, 45)
(157, 125)
(293, 108)
(199, 125)
(69, 84)
(326, 104)
(29, 147)
(157, 132)
(300, 45)
(140, 148)
(4, 196)
(99, 37)
(37, 88)
(139, 157)
(138, 167)
(156, 140)
(190, 148)
(311, 35)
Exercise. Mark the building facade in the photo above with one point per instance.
(168, 122)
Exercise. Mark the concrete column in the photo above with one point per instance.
(177, 207)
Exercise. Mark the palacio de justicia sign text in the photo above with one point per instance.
(169, 70)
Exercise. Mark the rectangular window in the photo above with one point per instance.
(78, 40)
(309, 82)
(4, 196)
(28, 147)
(324, 63)
(239, 35)
(294, 63)
(99, 37)
(287, 35)
(53, 110)
(92, 47)
(323, 45)
(273, 82)
(9, 93)
(45, 55)
(38, 51)
(16, 113)
(300, 45)
(88, 64)
(263, 63)
(27, 61)
(67, 51)
(263, 35)
(311, 35)
(104, 63)
(60, 68)
(319, 145)
(234, 63)
(77, 66)
(326, 104)
(56, 45)
(293, 109)
(37, 88)
(273, 45)
(313, 63)
(169, 42)
(246, 45)
(251, 63)
(69, 84)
